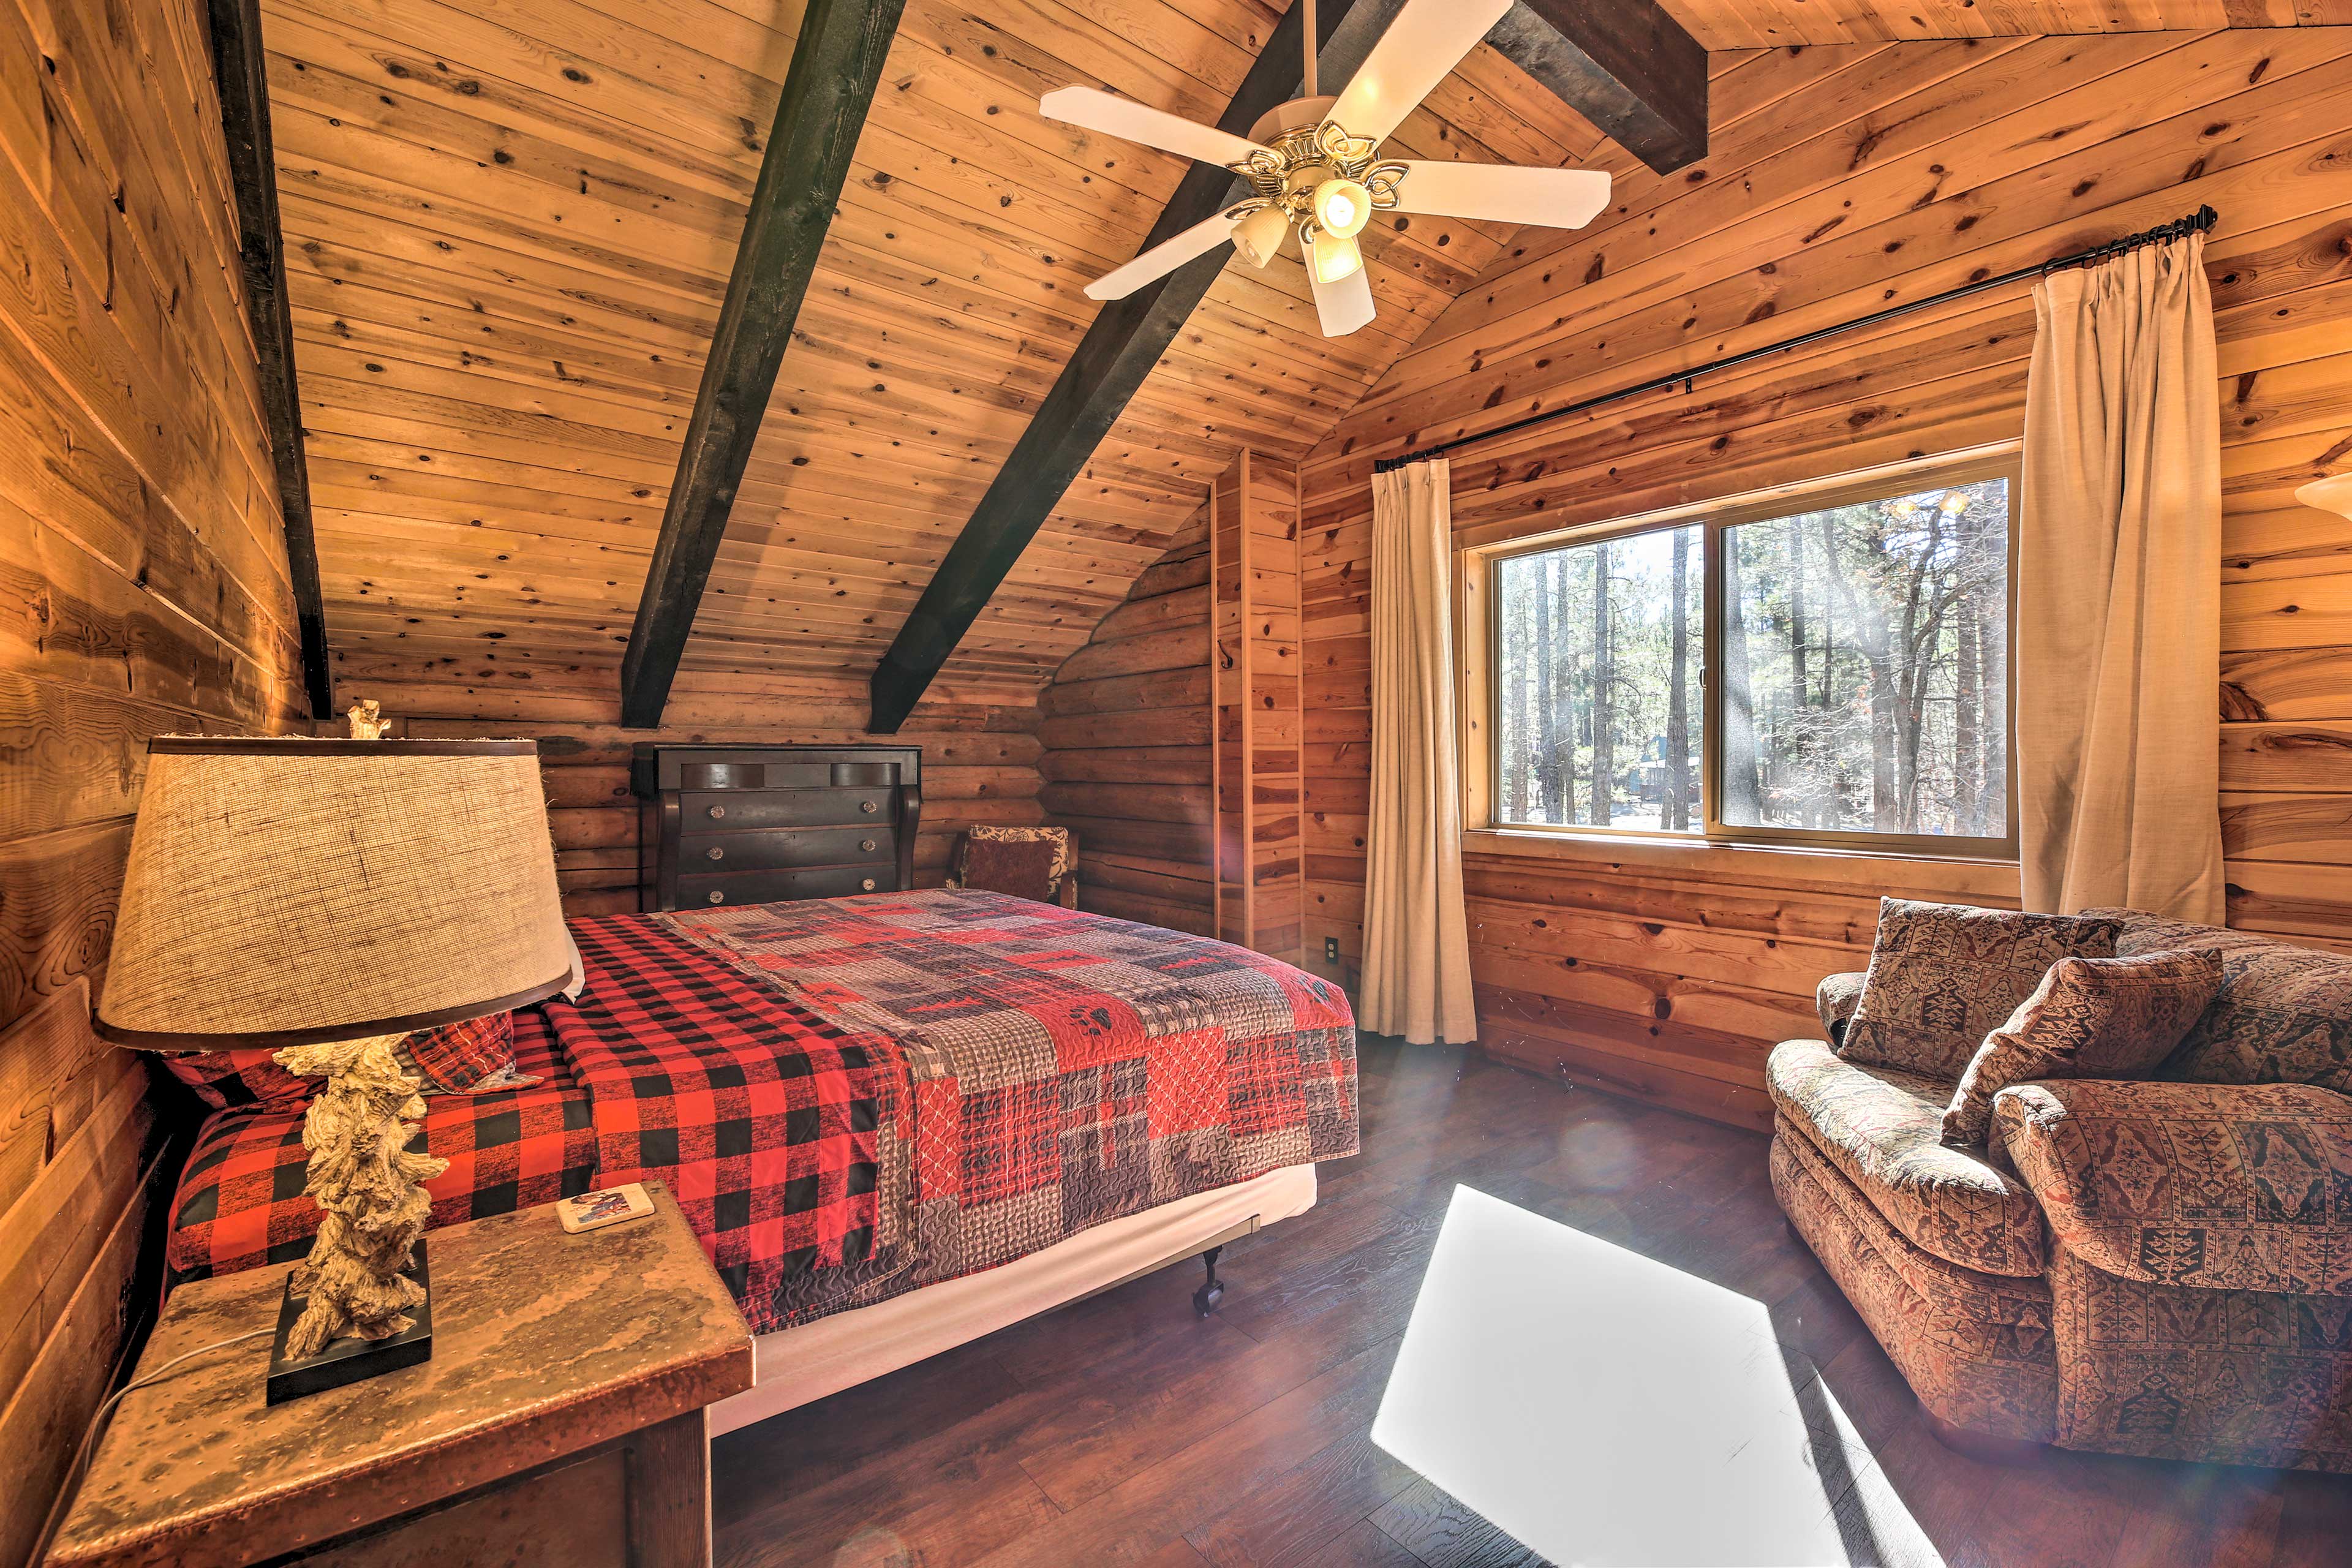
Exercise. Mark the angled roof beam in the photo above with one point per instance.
(244, 79)
(837, 62)
(1118, 352)
(1625, 65)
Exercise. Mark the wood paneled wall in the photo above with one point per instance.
(1126, 729)
(1254, 654)
(143, 591)
(1842, 180)
(980, 750)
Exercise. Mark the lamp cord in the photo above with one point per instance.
(96, 1424)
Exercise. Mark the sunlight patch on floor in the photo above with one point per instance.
(1604, 1408)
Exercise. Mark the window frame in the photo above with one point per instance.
(1478, 632)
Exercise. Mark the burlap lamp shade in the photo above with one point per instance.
(288, 891)
(323, 899)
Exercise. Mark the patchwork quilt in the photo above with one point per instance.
(242, 1200)
(854, 1098)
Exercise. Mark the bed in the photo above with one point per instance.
(897, 1122)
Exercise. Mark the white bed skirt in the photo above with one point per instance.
(793, 1367)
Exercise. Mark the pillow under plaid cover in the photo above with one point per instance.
(241, 1204)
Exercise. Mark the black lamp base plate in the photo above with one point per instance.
(348, 1359)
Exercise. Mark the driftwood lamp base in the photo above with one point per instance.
(351, 1359)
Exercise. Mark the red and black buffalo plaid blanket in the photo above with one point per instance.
(854, 1098)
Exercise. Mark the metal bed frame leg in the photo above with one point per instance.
(1205, 1299)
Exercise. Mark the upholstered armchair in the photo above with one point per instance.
(2157, 1267)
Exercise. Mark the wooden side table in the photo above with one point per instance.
(559, 1421)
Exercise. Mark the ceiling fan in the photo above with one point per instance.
(1314, 167)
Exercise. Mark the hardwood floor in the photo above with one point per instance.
(1124, 1430)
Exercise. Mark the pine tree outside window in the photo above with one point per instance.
(1827, 665)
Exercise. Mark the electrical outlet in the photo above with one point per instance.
(1330, 950)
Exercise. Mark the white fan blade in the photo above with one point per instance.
(1344, 306)
(1427, 39)
(1161, 260)
(1503, 193)
(1139, 122)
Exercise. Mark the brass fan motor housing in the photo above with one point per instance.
(1295, 161)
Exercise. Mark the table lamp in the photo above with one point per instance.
(322, 899)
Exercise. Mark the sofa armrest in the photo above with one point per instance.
(1835, 999)
(2224, 1186)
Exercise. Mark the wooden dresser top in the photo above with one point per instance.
(543, 1344)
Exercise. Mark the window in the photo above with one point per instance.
(1830, 666)
(1598, 716)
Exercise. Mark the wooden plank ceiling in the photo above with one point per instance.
(508, 235)
(1752, 24)
(509, 229)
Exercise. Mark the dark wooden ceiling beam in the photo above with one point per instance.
(1117, 352)
(1625, 65)
(244, 79)
(837, 62)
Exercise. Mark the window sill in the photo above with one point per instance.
(1935, 876)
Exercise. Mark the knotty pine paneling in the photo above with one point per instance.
(979, 750)
(1749, 24)
(1878, 172)
(143, 591)
(1126, 759)
(508, 235)
(1254, 662)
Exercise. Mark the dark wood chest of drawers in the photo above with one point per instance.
(757, 825)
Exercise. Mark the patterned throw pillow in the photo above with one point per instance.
(2284, 1015)
(1943, 976)
(241, 1081)
(2090, 1017)
(476, 1057)
(1026, 862)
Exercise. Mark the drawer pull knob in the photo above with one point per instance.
(867, 844)
(717, 811)
(868, 884)
(867, 806)
(716, 853)
(716, 897)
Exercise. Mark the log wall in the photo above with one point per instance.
(979, 750)
(143, 591)
(1842, 180)
(1126, 759)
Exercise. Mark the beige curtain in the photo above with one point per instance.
(1416, 943)
(2118, 604)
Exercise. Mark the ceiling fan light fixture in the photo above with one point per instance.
(1260, 236)
(1343, 207)
(1334, 256)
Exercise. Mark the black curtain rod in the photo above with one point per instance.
(2201, 221)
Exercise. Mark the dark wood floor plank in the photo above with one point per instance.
(836, 1436)
(1179, 1443)
(1141, 1515)
(1364, 1546)
(2315, 1522)
(1294, 1520)
(1444, 1532)
(1129, 1415)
